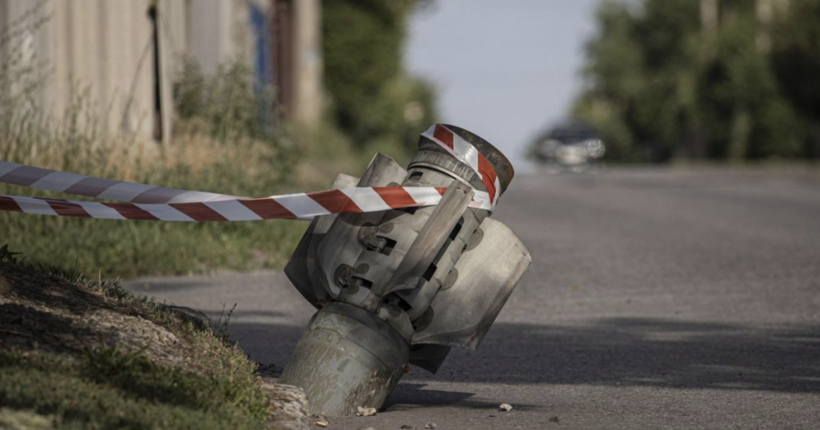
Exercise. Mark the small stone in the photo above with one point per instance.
(405, 426)
(365, 412)
(320, 420)
(554, 420)
(506, 407)
(430, 426)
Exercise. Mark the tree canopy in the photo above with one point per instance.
(715, 79)
(373, 99)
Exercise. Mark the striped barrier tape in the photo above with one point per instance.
(302, 206)
(467, 154)
(107, 189)
(147, 202)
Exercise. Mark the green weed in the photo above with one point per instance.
(215, 386)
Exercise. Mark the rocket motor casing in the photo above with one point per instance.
(396, 272)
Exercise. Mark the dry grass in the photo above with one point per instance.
(61, 370)
(215, 149)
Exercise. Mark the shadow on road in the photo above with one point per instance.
(608, 352)
(644, 352)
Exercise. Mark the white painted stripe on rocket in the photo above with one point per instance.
(124, 191)
(424, 196)
(233, 210)
(462, 150)
(99, 210)
(367, 199)
(163, 212)
(34, 206)
(466, 152)
(6, 167)
(301, 205)
(57, 181)
(430, 135)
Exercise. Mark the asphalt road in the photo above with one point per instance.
(656, 299)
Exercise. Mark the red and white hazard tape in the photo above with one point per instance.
(468, 154)
(107, 189)
(292, 206)
(147, 202)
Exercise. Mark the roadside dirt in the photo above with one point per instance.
(43, 311)
(50, 314)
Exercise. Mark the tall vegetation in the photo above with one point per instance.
(373, 99)
(712, 79)
(220, 146)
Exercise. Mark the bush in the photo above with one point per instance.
(660, 85)
(372, 99)
(222, 145)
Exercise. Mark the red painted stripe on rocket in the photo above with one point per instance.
(444, 135)
(445, 138)
(488, 176)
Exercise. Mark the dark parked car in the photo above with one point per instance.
(572, 145)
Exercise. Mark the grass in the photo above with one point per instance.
(106, 386)
(111, 389)
(219, 145)
(196, 160)
(133, 248)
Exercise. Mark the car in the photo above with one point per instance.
(573, 145)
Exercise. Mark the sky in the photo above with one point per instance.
(505, 70)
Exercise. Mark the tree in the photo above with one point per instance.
(796, 63)
(373, 99)
(720, 79)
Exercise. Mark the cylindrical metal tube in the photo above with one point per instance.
(347, 358)
(356, 348)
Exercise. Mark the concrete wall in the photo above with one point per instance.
(307, 97)
(103, 51)
(95, 50)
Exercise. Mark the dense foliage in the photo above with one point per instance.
(664, 82)
(373, 99)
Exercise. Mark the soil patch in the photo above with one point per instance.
(85, 353)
